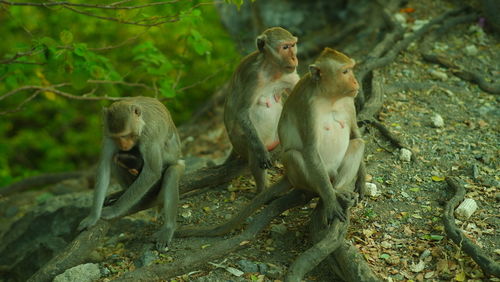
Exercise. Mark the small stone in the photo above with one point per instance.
(263, 268)
(471, 50)
(418, 24)
(437, 121)
(274, 271)
(248, 266)
(147, 258)
(279, 228)
(84, 272)
(186, 214)
(371, 189)
(386, 244)
(466, 209)
(400, 18)
(405, 155)
(475, 171)
(438, 75)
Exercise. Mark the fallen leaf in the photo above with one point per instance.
(460, 276)
(437, 178)
(242, 243)
(417, 267)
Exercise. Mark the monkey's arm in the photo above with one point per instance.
(151, 173)
(360, 185)
(102, 183)
(256, 145)
(316, 168)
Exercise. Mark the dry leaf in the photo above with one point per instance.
(437, 178)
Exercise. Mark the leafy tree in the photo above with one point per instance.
(63, 61)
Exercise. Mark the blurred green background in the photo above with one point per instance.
(181, 61)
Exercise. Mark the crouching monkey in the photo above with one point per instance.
(254, 101)
(321, 142)
(139, 129)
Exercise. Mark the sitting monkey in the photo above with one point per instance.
(139, 130)
(254, 101)
(321, 142)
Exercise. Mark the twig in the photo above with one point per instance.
(21, 105)
(489, 266)
(57, 92)
(112, 6)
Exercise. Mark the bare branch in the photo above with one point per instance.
(53, 89)
(21, 105)
(113, 6)
(131, 84)
(18, 55)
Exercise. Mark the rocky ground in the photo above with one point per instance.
(450, 125)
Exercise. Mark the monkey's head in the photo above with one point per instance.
(334, 70)
(280, 47)
(123, 123)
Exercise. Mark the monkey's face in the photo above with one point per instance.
(125, 141)
(287, 51)
(347, 81)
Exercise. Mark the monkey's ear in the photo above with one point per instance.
(137, 111)
(315, 72)
(261, 42)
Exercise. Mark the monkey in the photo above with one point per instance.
(322, 147)
(142, 128)
(130, 160)
(254, 100)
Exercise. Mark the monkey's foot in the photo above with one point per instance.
(87, 222)
(163, 238)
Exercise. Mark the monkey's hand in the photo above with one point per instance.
(264, 159)
(87, 222)
(338, 207)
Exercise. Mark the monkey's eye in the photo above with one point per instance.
(346, 71)
(286, 47)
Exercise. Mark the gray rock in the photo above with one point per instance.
(248, 266)
(82, 273)
(437, 121)
(405, 155)
(147, 258)
(279, 228)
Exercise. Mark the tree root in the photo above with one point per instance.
(378, 59)
(74, 253)
(474, 77)
(41, 180)
(261, 199)
(489, 266)
(193, 261)
(346, 262)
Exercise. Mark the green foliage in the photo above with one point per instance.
(83, 55)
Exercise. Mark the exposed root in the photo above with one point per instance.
(195, 259)
(474, 77)
(489, 266)
(41, 180)
(346, 262)
(261, 199)
(74, 253)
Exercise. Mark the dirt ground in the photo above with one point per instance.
(399, 228)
